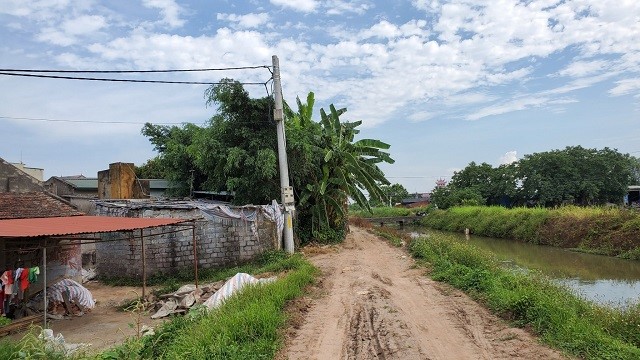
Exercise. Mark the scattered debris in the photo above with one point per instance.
(210, 295)
(183, 299)
(57, 342)
(88, 275)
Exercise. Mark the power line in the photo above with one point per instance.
(132, 71)
(126, 80)
(270, 121)
(85, 121)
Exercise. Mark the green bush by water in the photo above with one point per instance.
(611, 231)
(530, 300)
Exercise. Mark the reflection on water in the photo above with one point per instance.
(603, 279)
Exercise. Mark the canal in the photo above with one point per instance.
(603, 279)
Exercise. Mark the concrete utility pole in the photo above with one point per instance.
(287, 191)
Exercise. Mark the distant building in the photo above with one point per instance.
(633, 196)
(14, 180)
(440, 183)
(118, 182)
(417, 200)
(36, 173)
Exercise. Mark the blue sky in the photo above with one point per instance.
(444, 82)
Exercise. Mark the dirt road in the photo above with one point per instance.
(373, 303)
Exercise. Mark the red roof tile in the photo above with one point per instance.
(56, 226)
(33, 205)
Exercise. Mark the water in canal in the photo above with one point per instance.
(603, 279)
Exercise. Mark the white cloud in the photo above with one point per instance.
(384, 29)
(305, 6)
(583, 68)
(84, 24)
(626, 86)
(467, 50)
(246, 21)
(69, 31)
(421, 116)
(509, 106)
(340, 7)
(509, 157)
(56, 37)
(39, 8)
(170, 11)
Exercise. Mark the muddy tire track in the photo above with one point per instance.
(373, 303)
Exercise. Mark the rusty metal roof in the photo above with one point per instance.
(73, 225)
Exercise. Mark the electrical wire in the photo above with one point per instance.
(270, 121)
(133, 71)
(86, 121)
(126, 80)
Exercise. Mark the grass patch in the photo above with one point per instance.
(247, 326)
(601, 230)
(530, 300)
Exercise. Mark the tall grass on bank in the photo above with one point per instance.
(610, 231)
(247, 326)
(530, 300)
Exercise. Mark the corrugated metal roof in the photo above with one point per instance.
(73, 225)
(88, 183)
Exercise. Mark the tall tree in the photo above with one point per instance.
(236, 151)
(175, 160)
(342, 167)
(575, 175)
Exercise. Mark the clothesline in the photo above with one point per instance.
(14, 283)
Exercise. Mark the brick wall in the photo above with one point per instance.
(218, 242)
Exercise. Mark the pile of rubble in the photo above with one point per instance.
(181, 300)
(210, 295)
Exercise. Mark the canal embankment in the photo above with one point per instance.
(606, 231)
(528, 299)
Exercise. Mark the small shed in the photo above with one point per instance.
(39, 237)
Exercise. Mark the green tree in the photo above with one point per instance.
(574, 175)
(393, 194)
(347, 168)
(449, 196)
(175, 160)
(236, 151)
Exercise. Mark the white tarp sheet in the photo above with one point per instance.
(233, 285)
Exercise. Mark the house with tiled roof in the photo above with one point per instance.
(24, 197)
(37, 204)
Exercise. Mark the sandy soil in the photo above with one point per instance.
(105, 325)
(373, 303)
